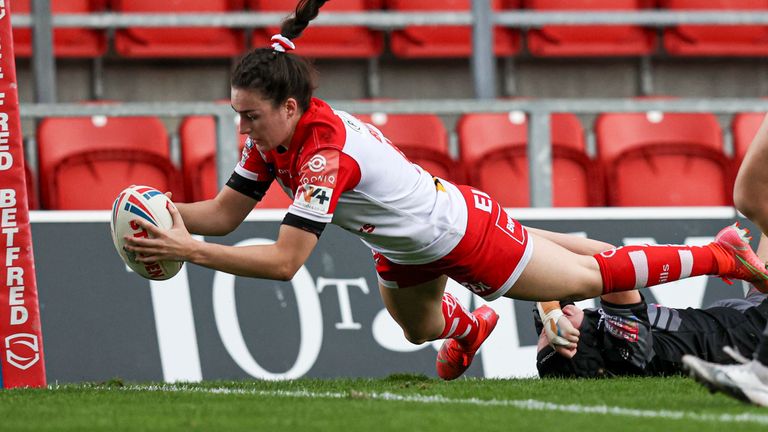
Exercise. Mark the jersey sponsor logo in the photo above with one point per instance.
(246, 153)
(316, 163)
(327, 179)
(367, 228)
(478, 288)
(351, 123)
(313, 198)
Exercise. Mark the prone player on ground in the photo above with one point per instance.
(627, 336)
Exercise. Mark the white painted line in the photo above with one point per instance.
(523, 404)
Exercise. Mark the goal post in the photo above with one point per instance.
(21, 341)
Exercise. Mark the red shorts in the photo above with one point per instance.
(488, 260)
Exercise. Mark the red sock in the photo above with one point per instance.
(632, 267)
(459, 324)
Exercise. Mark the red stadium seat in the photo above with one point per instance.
(318, 41)
(422, 138)
(31, 190)
(663, 159)
(85, 162)
(710, 40)
(447, 41)
(178, 42)
(744, 127)
(601, 41)
(493, 148)
(67, 42)
(198, 163)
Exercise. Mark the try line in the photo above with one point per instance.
(524, 404)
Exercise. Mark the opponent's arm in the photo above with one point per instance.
(561, 334)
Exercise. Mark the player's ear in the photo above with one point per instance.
(291, 107)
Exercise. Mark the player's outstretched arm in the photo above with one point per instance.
(217, 216)
(279, 261)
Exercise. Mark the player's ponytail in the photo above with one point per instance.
(306, 11)
(275, 73)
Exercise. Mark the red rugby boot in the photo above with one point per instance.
(454, 358)
(736, 259)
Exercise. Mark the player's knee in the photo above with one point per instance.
(749, 207)
(417, 336)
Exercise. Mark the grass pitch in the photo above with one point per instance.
(397, 403)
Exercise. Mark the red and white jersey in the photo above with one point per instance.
(343, 171)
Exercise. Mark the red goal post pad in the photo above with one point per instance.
(21, 341)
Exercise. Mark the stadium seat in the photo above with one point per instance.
(620, 40)
(711, 40)
(422, 138)
(67, 42)
(447, 41)
(493, 148)
(31, 189)
(744, 127)
(317, 41)
(198, 163)
(84, 162)
(178, 41)
(663, 159)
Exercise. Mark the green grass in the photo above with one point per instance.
(418, 404)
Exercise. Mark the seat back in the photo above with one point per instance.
(31, 189)
(447, 41)
(67, 42)
(198, 163)
(704, 40)
(663, 159)
(178, 41)
(84, 162)
(421, 137)
(324, 41)
(493, 148)
(620, 40)
(744, 128)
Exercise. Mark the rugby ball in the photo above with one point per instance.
(141, 202)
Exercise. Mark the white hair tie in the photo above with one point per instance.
(282, 43)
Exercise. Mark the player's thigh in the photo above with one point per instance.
(417, 306)
(576, 244)
(555, 273)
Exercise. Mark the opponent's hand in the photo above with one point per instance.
(175, 244)
(561, 334)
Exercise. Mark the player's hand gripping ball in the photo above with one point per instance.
(141, 202)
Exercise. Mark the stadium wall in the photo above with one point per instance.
(101, 322)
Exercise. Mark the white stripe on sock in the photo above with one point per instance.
(454, 324)
(686, 263)
(469, 327)
(640, 263)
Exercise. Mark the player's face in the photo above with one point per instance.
(574, 314)
(269, 126)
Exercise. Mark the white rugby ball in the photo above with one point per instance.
(149, 204)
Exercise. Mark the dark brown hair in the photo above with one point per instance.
(278, 76)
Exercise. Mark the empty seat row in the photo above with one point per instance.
(410, 42)
(643, 159)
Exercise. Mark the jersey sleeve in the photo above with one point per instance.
(323, 176)
(253, 174)
(627, 337)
